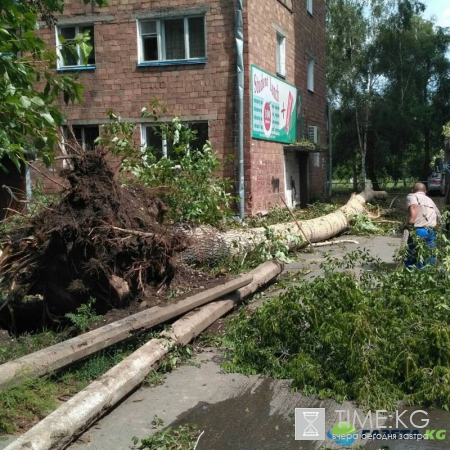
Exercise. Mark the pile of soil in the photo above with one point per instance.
(102, 240)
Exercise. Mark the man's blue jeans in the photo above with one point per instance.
(428, 236)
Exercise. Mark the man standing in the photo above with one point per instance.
(423, 216)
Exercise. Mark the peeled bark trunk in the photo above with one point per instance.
(58, 429)
(65, 353)
(325, 227)
(208, 241)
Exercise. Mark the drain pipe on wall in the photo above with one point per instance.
(330, 154)
(240, 98)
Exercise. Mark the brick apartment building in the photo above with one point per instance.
(183, 52)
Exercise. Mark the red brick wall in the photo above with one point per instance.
(207, 91)
(305, 38)
(201, 91)
(310, 42)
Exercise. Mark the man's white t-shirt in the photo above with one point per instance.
(429, 213)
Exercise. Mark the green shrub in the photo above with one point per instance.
(195, 193)
(274, 245)
(361, 224)
(189, 179)
(84, 316)
(376, 339)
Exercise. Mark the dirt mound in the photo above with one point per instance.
(102, 240)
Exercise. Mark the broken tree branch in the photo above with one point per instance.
(48, 177)
(342, 241)
(134, 232)
(296, 221)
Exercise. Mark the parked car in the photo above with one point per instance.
(436, 183)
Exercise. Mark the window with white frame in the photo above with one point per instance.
(281, 55)
(309, 6)
(152, 137)
(311, 63)
(85, 135)
(68, 33)
(172, 39)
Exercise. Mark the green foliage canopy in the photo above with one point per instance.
(187, 180)
(29, 84)
(377, 339)
(388, 76)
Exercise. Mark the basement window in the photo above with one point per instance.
(162, 147)
(85, 135)
(172, 41)
(72, 60)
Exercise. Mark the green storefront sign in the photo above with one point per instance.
(274, 108)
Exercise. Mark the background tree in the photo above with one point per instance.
(414, 64)
(388, 73)
(348, 77)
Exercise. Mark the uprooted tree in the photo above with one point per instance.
(100, 240)
(119, 242)
(197, 194)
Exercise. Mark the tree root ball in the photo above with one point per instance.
(102, 240)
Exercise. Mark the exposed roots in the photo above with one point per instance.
(102, 240)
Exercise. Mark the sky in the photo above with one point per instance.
(440, 9)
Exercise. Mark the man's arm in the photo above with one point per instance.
(438, 213)
(413, 210)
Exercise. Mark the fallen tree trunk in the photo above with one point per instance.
(325, 227)
(60, 355)
(60, 428)
(208, 244)
(65, 353)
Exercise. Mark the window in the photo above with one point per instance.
(172, 40)
(68, 59)
(9, 45)
(316, 159)
(85, 135)
(311, 75)
(309, 6)
(281, 55)
(163, 148)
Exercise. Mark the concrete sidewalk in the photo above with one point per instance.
(237, 412)
(382, 247)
